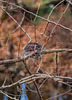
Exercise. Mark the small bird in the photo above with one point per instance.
(29, 49)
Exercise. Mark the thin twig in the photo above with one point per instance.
(59, 95)
(57, 62)
(20, 33)
(8, 95)
(51, 13)
(37, 76)
(50, 36)
(33, 81)
(16, 23)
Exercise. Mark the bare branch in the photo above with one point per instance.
(34, 77)
(16, 23)
(39, 93)
(8, 95)
(69, 2)
(66, 28)
(56, 25)
(31, 55)
(51, 13)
